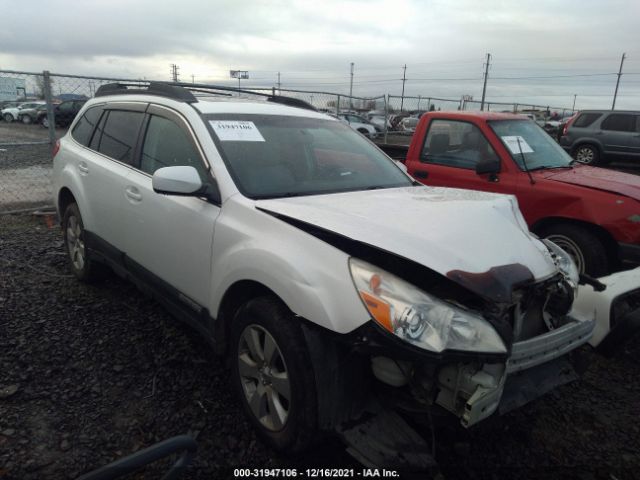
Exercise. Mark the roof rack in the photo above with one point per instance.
(183, 92)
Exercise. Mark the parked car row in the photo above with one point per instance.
(347, 296)
(36, 112)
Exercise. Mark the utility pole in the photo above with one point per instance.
(404, 79)
(351, 89)
(278, 82)
(484, 86)
(574, 102)
(615, 94)
(175, 72)
(193, 78)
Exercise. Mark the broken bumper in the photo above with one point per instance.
(535, 366)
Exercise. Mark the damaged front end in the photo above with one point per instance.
(468, 353)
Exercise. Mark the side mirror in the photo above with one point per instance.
(181, 180)
(489, 165)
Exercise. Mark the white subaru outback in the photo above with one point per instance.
(347, 297)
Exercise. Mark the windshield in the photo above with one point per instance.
(538, 148)
(272, 156)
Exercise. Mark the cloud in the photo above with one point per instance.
(312, 43)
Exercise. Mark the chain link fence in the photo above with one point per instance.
(37, 107)
(35, 110)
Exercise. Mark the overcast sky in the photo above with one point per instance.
(311, 43)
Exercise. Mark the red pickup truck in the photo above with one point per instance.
(592, 213)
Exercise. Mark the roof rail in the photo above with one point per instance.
(183, 92)
(153, 88)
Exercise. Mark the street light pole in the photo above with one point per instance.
(615, 94)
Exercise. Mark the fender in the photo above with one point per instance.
(275, 254)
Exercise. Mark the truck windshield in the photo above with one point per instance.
(526, 138)
(271, 156)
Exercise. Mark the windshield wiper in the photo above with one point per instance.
(549, 167)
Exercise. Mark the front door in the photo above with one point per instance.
(170, 236)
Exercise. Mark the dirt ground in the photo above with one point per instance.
(90, 373)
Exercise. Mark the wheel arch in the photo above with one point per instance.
(65, 198)
(611, 246)
(234, 297)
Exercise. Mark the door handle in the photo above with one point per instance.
(421, 174)
(133, 193)
(82, 167)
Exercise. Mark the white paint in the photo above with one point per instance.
(590, 302)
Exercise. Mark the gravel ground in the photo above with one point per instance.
(92, 373)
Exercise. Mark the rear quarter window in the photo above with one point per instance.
(85, 126)
(586, 119)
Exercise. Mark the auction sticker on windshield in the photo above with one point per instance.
(236, 131)
(516, 144)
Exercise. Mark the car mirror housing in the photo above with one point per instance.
(488, 165)
(179, 180)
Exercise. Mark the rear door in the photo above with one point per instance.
(621, 134)
(449, 156)
(103, 166)
(169, 238)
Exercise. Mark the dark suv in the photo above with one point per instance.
(600, 136)
(64, 113)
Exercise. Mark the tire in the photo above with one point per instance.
(585, 248)
(587, 154)
(83, 266)
(26, 119)
(45, 122)
(285, 424)
(8, 117)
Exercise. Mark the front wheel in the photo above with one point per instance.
(586, 249)
(26, 119)
(45, 122)
(272, 375)
(8, 117)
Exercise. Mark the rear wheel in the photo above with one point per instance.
(45, 122)
(83, 266)
(26, 119)
(8, 117)
(272, 374)
(587, 154)
(586, 249)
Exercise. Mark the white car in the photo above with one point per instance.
(12, 114)
(335, 284)
(616, 305)
(360, 124)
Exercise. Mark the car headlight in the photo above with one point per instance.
(418, 317)
(564, 262)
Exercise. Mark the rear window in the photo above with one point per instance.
(586, 119)
(81, 133)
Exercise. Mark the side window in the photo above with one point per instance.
(455, 144)
(168, 145)
(119, 135)
(81, 133)
(65, 107)
(586, 119)
(619, 122)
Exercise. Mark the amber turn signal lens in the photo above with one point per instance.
(379, 310)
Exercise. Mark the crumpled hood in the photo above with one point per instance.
(601, 178)
(443, 229)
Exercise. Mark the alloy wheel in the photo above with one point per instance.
(585, 155)
(264, 377)
(75, 242)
